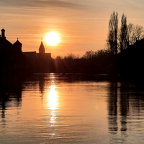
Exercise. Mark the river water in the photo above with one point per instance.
(54, 109)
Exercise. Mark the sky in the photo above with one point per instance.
(81, 24)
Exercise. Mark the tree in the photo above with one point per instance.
(134, 33)
(58, 58)
(71, 56)
(123, 34)
(89, 55)
(96, 54)
(113, 33)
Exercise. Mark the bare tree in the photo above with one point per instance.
(130, 33)
(123, 34)
(113, 33)
(134, 33)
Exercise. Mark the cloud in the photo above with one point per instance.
(41, 3)
(57, 3)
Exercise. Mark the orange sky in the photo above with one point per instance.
(82, 25)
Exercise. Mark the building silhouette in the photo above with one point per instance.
(6, 46)
(13, 60)
(38, 62)
(10, 55)
(42, 51)
(40, 55)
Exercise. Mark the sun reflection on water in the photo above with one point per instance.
(52, 98)
(52, 102)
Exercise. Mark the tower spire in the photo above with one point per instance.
(41, 48)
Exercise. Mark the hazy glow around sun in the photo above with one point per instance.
(52, 38)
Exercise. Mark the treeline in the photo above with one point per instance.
(119, 38)
(91, 62)
(126, 44)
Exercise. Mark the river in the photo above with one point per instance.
(56, 109)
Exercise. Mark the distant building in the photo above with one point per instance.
(4, 43)
(41, 55)
(42, 51)
(7, 47)
(38, 62)
(10, 55)
(18, 46)
(13, 59)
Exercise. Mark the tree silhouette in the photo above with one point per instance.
(134, 33)
(123, 33)
(113, 33)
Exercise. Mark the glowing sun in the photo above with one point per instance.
(52, 38)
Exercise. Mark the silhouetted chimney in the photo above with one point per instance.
(3, 33)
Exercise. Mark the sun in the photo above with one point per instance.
(52, 38)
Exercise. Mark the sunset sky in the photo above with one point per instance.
(81, 24)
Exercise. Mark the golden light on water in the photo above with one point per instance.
(52, 38)
(52, 98)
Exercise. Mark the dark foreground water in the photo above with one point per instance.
(54, 109)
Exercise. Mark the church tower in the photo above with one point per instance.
(41, 49)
